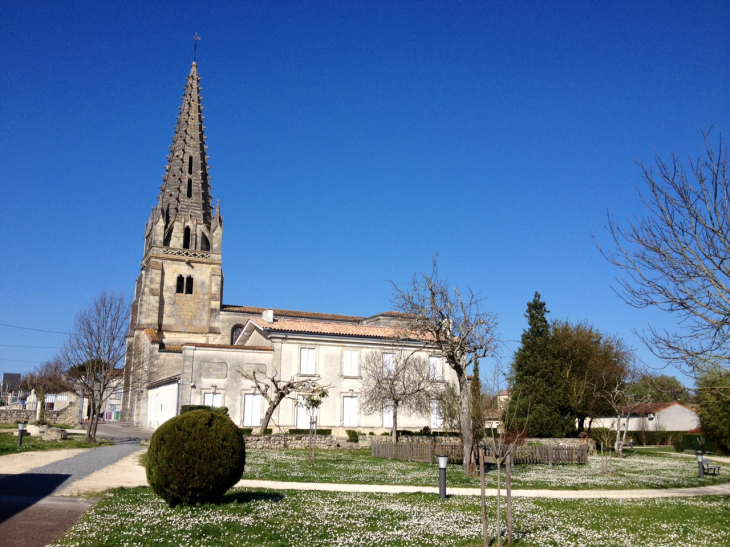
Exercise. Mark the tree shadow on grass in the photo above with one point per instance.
(247, 497)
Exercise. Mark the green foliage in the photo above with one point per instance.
(352, 435)
(219, 409)
(249, 430)
(713, 398)
(295, 431)
(697, 441)
(538, 404)
(195, 458)
(678, 443)
(477, 404)
(659, 389)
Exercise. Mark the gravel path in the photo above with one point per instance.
(43, 481)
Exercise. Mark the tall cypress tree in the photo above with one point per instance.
(476, 403)
(538, 404)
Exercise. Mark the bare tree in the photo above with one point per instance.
(93, 356)
(619, 394)
(450, 407)
(455, 324)
(47, 378)
(274, 389)
(677, 257)
(398, 380)
(312, 401)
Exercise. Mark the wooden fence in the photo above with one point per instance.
(426, 451)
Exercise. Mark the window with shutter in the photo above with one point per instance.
(306, 360)
(388, 364)
(351, 363)
(252, 409)
(436, 367)
(388, 416)
(437, 421)
(349, 411)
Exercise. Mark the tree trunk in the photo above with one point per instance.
(484, 498)
(499, 495)
(267, 416)
(394, 433)
(508, 486)
(467, 437)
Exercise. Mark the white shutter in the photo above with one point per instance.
(256, 409)
(388, 417)
(208, 399)
(247, 408)
(306, 360)
(302, 415)
(388, 364)
(436, 420)
(217, 400)
(349, 407)
(350, 368)
(436, 367)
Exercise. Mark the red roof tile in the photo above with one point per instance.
(292, 313)
(152, 336)
(322, 327)
(225, 346)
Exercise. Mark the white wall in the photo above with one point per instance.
(161, 404)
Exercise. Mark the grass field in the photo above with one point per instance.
(248, 517)
(9, 444)
(649, 469)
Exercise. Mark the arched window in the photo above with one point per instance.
(190, 165)
(190, 188)
(189, 285)
(180, 284)
(186, 238)
(235, 333)
(204, 243)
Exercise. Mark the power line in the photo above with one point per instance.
(33, 347)
(37, 330)
(21, 361)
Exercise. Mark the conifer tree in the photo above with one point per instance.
(538, 404)
(476, 403)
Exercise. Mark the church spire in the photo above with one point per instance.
(185, 191)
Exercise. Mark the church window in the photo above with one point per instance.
(180, 284)
(190, 165)
(189, 285)
(186, 239)
(190, 188)
(204, 243)
(235, 333)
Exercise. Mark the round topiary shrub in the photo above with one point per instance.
(195, 458)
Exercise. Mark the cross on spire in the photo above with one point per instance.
(196, 39)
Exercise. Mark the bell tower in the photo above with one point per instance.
(180, 285)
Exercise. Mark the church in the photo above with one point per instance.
(186, 347)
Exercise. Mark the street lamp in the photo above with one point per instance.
(700, 464)
(21, 431)
(443, 461)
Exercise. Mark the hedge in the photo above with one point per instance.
(218, 409)
(306, 432)
(249, 430)
(691, 441)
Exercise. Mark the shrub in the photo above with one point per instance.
(249, 430)
(352, 435)
(371, 433)
(219, 409)
(677, 443)
(697, 442)
(306, 432)
(195, 458)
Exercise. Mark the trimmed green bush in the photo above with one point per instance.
(219, 409)
(692, 441)
(306, 432)
(352, 435)
(195, 458)
(249, 430)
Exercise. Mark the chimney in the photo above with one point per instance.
(268, 316)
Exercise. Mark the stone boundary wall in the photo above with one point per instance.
(280, 442)
(68, 415)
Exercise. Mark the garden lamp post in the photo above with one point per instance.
(443, 461)
(21, 431)
(700, 465)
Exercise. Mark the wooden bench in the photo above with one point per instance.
(710, 469)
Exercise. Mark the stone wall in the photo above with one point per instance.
(279, 442)
(69, 415)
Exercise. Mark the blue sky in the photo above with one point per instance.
(349, 142)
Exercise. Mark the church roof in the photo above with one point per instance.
(292, 313)
(322, 327)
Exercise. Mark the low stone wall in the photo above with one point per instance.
(279, 442)
(68, 415)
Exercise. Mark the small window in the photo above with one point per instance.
(180, 284)
(189, 285)
(306, 360)
(190, 165)
(213, 399)
(350, 363)
(235, 333)
(190, 188)
(252, 409)
(388, 364)
(186, 238)
(436, 367)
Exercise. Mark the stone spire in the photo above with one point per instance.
(185, 191)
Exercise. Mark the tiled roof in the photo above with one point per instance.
(321, 327)
(164, 348)
(152, 336)
(224, 346)
(163, 381)
(292, 313)
(653, 408)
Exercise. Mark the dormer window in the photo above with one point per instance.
(235, 333)
(189, 285)
(186, 238)
(180, 284)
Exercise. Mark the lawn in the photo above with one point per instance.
(9, 444)
(253, 517)
(636, 470)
